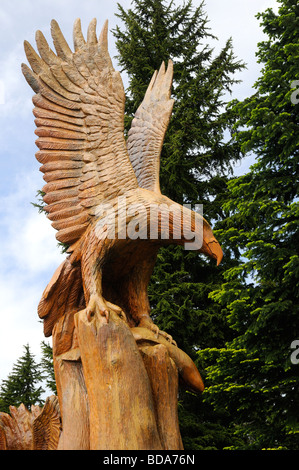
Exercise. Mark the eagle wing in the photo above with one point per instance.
(146, 136)
(79, 111)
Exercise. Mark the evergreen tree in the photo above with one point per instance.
(21, 386)
(47, 367)
(196, 163)
(254, 378)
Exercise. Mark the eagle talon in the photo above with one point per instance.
(96, 305)
(106, 315)
(118, 311)
(99, 305)
(149, 324)
(168, 337)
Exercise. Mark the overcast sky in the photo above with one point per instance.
(28, 248)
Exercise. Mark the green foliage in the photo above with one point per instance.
(203, 428)
(21, 384)
(196, 156)
(40, 204)
(47, 367)
(196, 163)
(254, 378)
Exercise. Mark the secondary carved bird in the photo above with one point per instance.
(89, 168)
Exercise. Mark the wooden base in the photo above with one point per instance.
(116, 393)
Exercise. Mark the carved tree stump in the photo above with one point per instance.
(118, 387)
(163, 375)
(122, 412)
(73, 402)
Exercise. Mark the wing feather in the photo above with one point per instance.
(91, 33)
(78, 38)
(62, 48)
(146, 136)
(79, 111)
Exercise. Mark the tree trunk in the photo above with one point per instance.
(163, 376)
(73, 401)
(122, 411)
(115, 393)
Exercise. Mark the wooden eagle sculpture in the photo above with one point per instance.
(96, 179)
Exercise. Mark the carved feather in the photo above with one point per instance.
(79, 111)
(46, 427)
(146, 136)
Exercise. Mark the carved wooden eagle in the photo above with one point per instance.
(88, 164)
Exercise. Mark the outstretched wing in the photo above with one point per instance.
(79, 110)
(146, 136)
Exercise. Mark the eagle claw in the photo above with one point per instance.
(95, 305)
(146, 322)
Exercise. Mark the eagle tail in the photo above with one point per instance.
(63, 295)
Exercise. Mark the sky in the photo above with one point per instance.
(28, 249)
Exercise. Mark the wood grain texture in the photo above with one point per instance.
(46, 427)
(163, 376)
(146, 136)
(79, 109)
(119, 390)
(73, 402)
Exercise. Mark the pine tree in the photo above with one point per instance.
(47, 367)
(21, 386)
(196, 163)
(254, 377)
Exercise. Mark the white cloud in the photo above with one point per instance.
(28, 258)
(19, 320)
(13, 102)
(236, 19)
(22, 224)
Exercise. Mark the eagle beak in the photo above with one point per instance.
(210, 246)
(215, 250)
